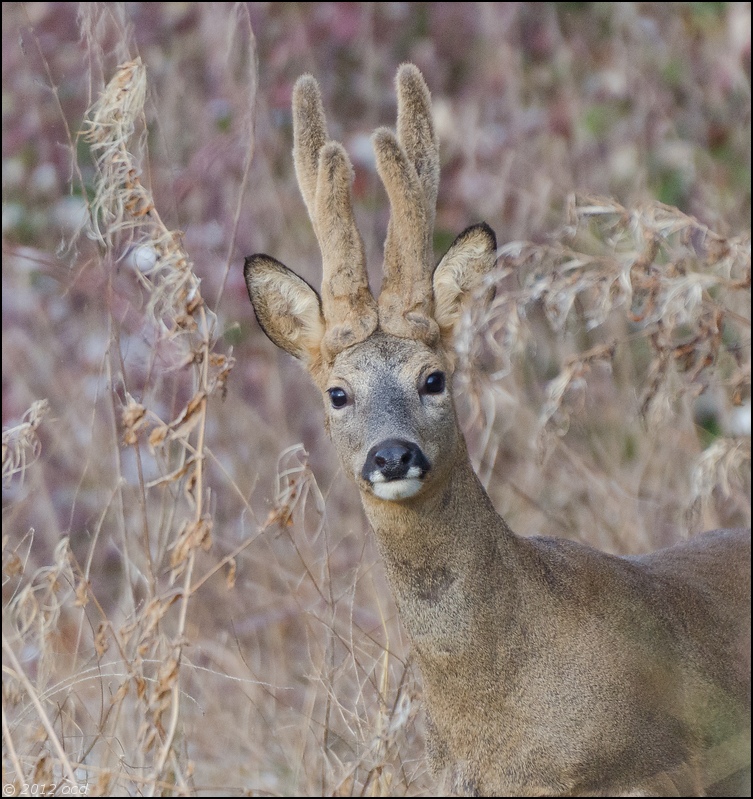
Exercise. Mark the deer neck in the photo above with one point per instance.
(438, 549)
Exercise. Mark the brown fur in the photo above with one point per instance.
(549, 668)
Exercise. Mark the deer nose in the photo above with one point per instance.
(394, 459)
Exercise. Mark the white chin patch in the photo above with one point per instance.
(397, 489)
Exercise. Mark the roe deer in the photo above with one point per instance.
(549, 668)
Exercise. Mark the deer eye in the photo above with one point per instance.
(337, 397)
(434, 383)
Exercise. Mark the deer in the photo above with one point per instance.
(549, 668)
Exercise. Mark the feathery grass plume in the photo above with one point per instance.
(21, 446)
(721, 467)
(35, 608)
(123, 211)
(294, 483)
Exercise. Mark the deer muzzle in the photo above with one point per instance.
(395, 469)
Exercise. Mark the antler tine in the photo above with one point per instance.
(409, 168)
(309, 136)
(324, 175)
(350, 310)
(415, 131)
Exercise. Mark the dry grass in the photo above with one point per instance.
(191, 602)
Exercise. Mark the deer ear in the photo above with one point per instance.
(288, 309)
(470, 257)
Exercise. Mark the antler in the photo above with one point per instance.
(324, 175)
(417, 301)
(408, 165)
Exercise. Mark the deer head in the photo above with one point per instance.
(384, 367)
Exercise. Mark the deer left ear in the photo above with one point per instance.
(288, 309)
(471, 256)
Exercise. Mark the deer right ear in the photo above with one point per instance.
(472, 255)
(287, 308)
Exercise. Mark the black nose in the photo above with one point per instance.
(393, 459)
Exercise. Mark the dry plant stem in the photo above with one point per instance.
(56, 94)
(248, 158)
(92, 596)
(227, 559)
(236, 222)
(8, 739)
(241, 496)
(87, 572)
(175, 708)
(128, 562)
(142, 494)
(168, 788)
(20, 675)
(187, 591)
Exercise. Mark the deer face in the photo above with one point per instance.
(384, 368)
(390, 415)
